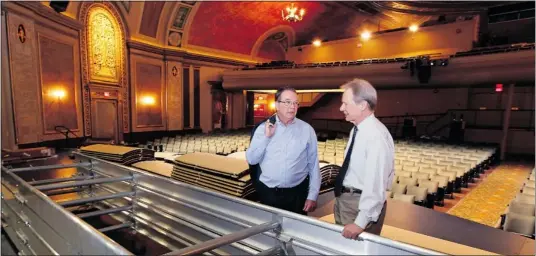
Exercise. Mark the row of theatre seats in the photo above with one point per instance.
(519, 217)
(476, 51)
(496, 49)
(221, 144)
(425, 172)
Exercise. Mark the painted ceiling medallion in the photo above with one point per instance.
(175, 39)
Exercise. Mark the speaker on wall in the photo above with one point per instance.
(59, 6)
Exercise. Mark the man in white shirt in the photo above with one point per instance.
(368, 168)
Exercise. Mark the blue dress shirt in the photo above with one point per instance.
(287, 157)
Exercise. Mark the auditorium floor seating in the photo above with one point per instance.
(425, 173)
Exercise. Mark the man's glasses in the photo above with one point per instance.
(290, 103)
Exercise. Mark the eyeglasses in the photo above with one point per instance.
(290, 103)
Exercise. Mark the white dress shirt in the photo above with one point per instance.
(371, 168)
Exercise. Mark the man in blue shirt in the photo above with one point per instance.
(287, 154)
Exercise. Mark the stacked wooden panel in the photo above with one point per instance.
(119, 154)
(155, 166)
(215, 172)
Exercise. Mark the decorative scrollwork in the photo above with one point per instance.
(103, 55)
(104, 46)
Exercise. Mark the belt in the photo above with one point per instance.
(351, 190)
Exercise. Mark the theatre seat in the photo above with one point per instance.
(520, 224)
(432, 187)
(421, 176)
(420, 194)
(404, 198)
(521, 208)
(407, 181)
(525, 198)
(410, 168)
(399, 188)
(404, 174)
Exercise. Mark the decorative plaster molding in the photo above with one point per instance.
(183, 55)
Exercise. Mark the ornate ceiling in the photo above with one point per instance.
(242, 27)
(236, 26)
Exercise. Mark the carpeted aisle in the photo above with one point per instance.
(489, 200)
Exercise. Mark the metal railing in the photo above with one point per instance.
(483, 119)
(393, 123)
(432, 124)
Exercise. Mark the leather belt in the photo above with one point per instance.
(351, 190)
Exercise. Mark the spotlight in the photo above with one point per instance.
(413, 28)
(59, 6)
(317, 43)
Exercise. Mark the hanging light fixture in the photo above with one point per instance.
(291, 13)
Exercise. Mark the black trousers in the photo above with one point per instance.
(290, 199)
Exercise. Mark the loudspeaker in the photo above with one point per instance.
(59, 6)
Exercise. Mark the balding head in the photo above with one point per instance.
(358, 100)
(362, 91)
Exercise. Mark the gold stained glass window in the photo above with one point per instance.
(104, 45)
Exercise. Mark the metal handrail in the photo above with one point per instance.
(110, 245)
(226, 239)
(82, 183)
(46, 167)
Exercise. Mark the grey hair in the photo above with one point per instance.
(362, 90)
(282, 90)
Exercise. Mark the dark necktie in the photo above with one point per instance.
(344, 168)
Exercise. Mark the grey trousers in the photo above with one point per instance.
(346, 208)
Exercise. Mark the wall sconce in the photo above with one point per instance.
(148, 100)
(365, 35)
(58, 93)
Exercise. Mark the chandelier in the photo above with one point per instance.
(291, 13)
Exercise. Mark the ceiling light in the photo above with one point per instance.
(413, 28)
(317, 43)
(292, 13)
(365, 35)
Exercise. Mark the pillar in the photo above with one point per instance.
(8, 122)
(506, 120)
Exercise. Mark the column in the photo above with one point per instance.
(8, 122)
(506, 120)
